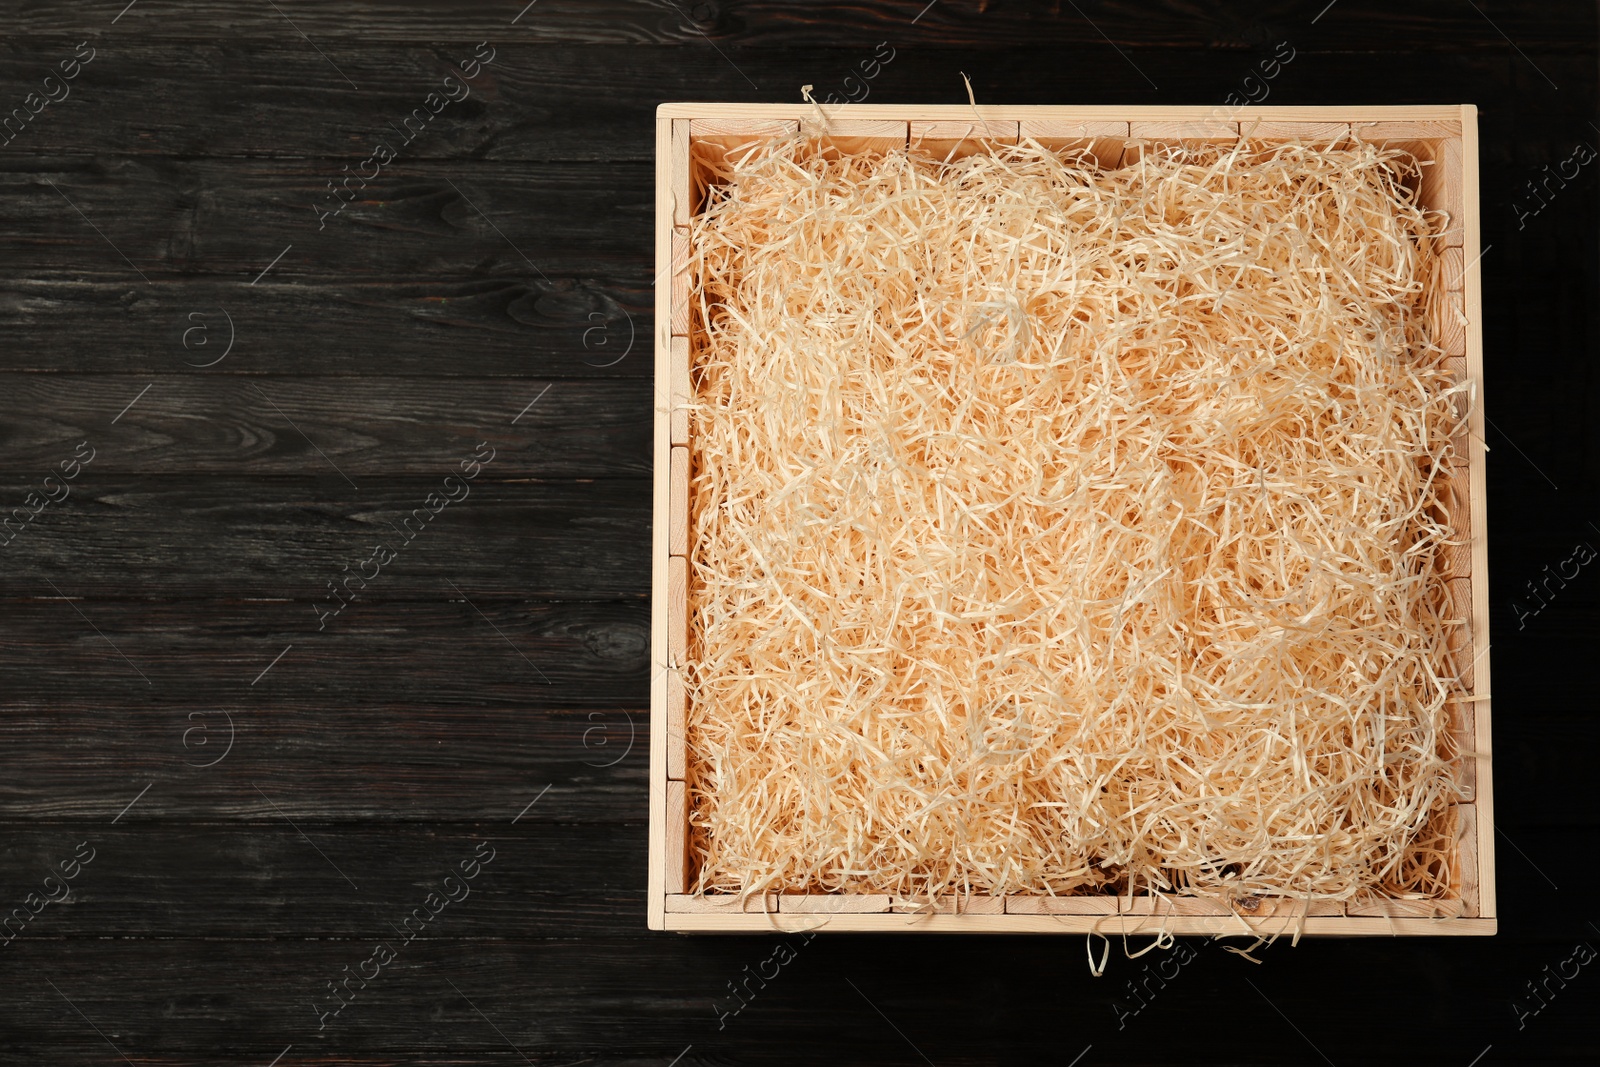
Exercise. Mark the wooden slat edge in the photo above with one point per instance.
(677, 609)
(972, 905)
(681, 392)
(1098, 904)
(677, 726)
(1449, 268)
(679, 313)
(1463, 653)
(1447, 320)
(1046, 130)
(745, 129)
(655, 877)
(954, 140)
(682, 204)
(834, 903)
(1467, 857)
(1455, 560)
(1275, 130)
(678, 507)
(677, 880)
(1109, 925)
(1407, 129)
(1483, 802)
(720, 904)
(1207, 129)
(1462, 731)
(1101, 139)
(1407, 909)
(1000, 131)
(862, 135)
(722, 111)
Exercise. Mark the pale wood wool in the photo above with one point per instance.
(1055, 529)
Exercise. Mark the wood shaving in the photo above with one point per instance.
(1057, 530)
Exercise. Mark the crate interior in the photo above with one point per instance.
(1111, 145)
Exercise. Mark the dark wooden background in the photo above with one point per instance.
(501, 658)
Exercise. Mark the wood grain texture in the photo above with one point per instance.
(849, 25)
(1101, 138)
(677, 726)
(851, 135)
(165, 536)
(678, 506)
(258, 882)
(172, 217)
(198, 653)
(322, 763)
(953, 140)
(678, 873)
(325, 427)
(680, 282)
(591, 323)
(864, 129)
(682, 392)
(677, 609)
(458, 285)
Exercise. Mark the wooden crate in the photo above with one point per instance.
(1444, 136)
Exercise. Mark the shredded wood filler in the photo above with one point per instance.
(1064, 531)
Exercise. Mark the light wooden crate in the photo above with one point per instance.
(1446, 136)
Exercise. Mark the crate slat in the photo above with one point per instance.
(1447, 319)
(1450, 267)
(1466, 872)
(656, 865)
(682, 204)
(680, 282)
(1096, 904)
(1102, 139)
(1461, 444)
(973, 905)
(720, 904)
(1286, 908)
(1109, 925)
(1407, 909)
(680, 391)
(1207, 130)
(1460, 636)
(1189, 132)
(1455, 560)
(678, 509)
(1407, 129)
(1276, 130)
(834, 903)
(1463, 730)
(947, 139)
(851, 136)
(677, 609)
(719, 138)
(677, 837)
(677, 726)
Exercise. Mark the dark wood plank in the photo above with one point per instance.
(527, 221)
(1435, 25)
(223, 536)
(546, 876)
(331, 428)
(165, 653)
(594, 326)
(647, 1000)
(527, 109)
(347, 762)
